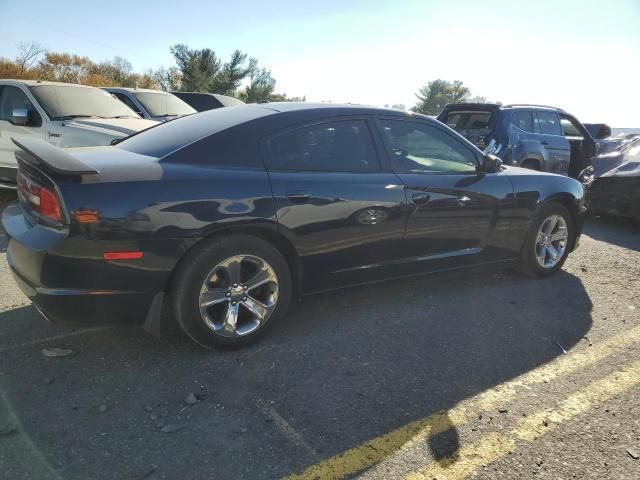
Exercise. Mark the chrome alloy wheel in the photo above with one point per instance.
(551, 241)
(238, 296)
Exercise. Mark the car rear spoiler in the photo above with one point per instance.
(53, 159)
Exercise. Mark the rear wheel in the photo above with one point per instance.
(546, 244)
(231, 291)
(531, 165)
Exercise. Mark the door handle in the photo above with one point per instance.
(298, 197)
(420, 198)
(544, 143)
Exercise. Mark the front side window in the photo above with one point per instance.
(337, 146)
(522, 120)
(421, 148)
(569, 129)
(11, 98)
(549, 123)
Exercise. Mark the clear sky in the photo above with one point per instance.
(583, 55)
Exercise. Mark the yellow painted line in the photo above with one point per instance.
(376, 450)
(493, 446)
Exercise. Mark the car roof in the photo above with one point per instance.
(163, 139)
(339, 108)
(31, 83)
(498, 106)
(128, 89)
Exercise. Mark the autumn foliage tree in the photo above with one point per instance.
(198, 70)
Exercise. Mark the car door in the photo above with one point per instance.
(11, 98)
(458, 214)
(556, 146)
(343, 212)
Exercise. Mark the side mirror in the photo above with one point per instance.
(491, 163)
(603, 132)
(20, 116)
(598, 130)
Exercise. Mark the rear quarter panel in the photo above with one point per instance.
(163, 216)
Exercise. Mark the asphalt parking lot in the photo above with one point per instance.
(474, 374)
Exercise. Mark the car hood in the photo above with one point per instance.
(119, 127)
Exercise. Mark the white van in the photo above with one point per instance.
(63, 114)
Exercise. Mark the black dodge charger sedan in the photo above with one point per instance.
(229, 213)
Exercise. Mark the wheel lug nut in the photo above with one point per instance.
(233, 303)
(235, 285)
(244, 298)
(228, 294)
(245, 287)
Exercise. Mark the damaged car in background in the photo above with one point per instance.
(612, 182)
(531, 136)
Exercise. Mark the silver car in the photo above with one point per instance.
(152, 104)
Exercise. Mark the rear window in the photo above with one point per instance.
(463, 120)
(165, 138)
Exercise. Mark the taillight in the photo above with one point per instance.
(40, 200)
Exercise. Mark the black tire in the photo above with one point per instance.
(194, 270)
(528, 263)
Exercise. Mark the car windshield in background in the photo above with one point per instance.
(161, 104)
(62, 101)
(462, 120)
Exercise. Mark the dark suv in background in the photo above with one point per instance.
(531, 136)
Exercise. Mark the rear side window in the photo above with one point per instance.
(477, 119)
(522, 120)
(236, 147)
(549, 123)
(165, 138)
(337, 146)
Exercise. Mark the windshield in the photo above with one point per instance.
(65, 101)
(159, 104)
(459, 120)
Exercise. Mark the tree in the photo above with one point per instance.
(477, 99)
(437, 93)
(232, 74)
(64, 67)
(203, 71)
(167, 79)
(261, 84)
(28, 55)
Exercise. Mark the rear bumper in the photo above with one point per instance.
(95, 307)
(66, 278)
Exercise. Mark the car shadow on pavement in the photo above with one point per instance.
(615, 231)
(343, 368)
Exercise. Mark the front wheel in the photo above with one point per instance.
(547, 242)
(229, 292)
